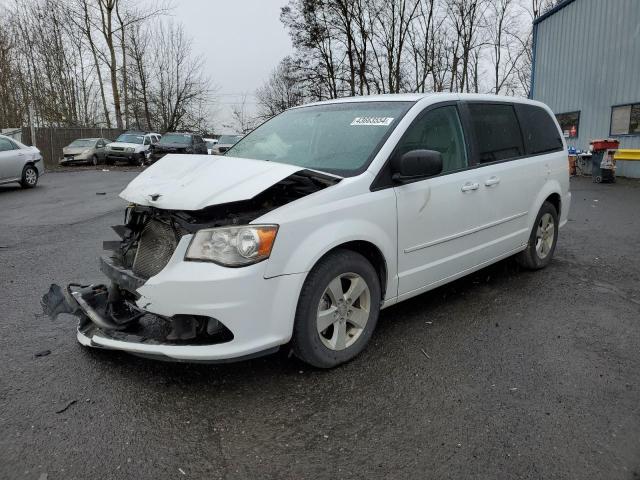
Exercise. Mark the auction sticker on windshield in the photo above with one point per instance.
(381, 121)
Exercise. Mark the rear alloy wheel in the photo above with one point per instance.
(94, 160)
(542, 241)
(337, 310)
(29, 177)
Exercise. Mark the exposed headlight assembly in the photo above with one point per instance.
(233, 246)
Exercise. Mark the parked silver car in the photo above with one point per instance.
(85, 150)
(19, 163)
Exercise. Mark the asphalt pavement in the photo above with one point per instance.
(502, 375)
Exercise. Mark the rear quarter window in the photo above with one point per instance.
(497, 132)
(538, 130)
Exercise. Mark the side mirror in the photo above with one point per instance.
(415, 165)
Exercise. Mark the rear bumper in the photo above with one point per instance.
(259, 312)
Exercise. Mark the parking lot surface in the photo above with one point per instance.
(505, 374)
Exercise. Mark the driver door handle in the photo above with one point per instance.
(470, 186)
(491, 181)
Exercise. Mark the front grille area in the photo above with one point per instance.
(117, 149)
(157, 243)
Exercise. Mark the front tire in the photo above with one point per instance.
(542, 241)
(337, 310)
(29, 177)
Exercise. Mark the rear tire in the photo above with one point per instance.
(542, 241)
(94, 160)
(337, 310)
(29, 177)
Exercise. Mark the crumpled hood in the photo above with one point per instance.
(193, 182)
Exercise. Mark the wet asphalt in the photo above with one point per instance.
(505, 374)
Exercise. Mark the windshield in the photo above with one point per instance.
(337, 138)
(83, 142)
(229, 139)
(130, 138)
(181, 138)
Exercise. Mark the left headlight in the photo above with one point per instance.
(233, 246)
(130, 150)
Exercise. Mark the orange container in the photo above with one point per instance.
(572, 164)
(607, 144)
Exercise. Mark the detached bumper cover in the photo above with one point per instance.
(124, 277)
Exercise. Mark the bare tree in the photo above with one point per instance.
(281, 91)
(244, 121)
(180, 83)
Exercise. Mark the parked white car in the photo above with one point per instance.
(320, 218)
(19, 163)
(211, 142)
(131, 147)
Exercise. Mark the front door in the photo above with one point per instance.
(438, 217)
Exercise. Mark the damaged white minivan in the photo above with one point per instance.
(317, 220)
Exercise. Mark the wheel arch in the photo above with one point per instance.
(365, 238)
(369, 251)
(555, 200)
(551, 192)
(31, 163)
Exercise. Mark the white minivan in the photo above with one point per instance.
(324, 215)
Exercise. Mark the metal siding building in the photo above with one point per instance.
(586, 58)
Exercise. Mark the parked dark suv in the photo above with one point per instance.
(176, 142)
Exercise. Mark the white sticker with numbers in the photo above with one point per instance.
(372, 121)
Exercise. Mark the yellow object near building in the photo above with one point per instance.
(628, 155)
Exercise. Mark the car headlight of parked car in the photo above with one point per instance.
(233, 246)
(130, 150)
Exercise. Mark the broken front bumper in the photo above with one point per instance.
(257, 312)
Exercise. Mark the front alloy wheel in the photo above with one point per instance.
(337, 309)
(343, 311)
(29, 177)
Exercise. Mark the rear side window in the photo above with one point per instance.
(538, 129)
(497, 131)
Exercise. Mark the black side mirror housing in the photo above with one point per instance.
(416, 164)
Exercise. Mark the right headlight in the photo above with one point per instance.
(233, 246)
(129, 149)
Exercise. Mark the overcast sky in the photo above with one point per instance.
(241, 41)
